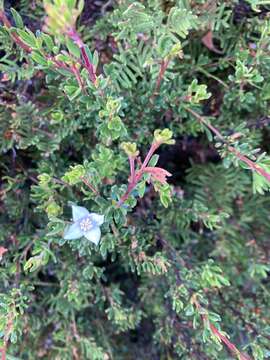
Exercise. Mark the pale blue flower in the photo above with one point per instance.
(84, 224)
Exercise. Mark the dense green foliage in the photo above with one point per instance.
(157, 118)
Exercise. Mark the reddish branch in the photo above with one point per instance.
(252, 165)
(174, 256)
(3, 349)
(72, 33)
(3, 352)
(90, 186)
(228, 343)
(14, 36)
(135, 176)
(222, 338)
(57, 63)
(89, 66)
(25, 47)
(78, 76)
(163, 68)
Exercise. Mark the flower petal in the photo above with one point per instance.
(73, 232)
(98, 219)
(158, 174)
(79, 212)
(93, 235)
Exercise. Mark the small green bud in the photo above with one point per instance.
(130, 149)
(53, 209)
(44, 179)
(57, 116)
(197, 93)
(115, 123)
(113, 105)
(73, 176)
(102, 113)
(164, 136)
(176, 50)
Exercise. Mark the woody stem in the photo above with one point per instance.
(72, 33)
(252, 165)
(136, 176)
(132, 168)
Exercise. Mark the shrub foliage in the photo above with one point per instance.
(155, 116)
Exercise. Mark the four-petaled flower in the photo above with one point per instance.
(84, 224)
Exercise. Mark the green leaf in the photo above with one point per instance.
(95, 59)
(154, 160)
(48, 41)
(28, 37)
(181, 21)
(138, 19)
(260, 183)
(165, 44)
(73, 48)
(72, 91)
(17, 18)
(38, 58)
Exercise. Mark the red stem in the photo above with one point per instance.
(229, 344)
(136, 176)
(132, 168)
(89, 66)
(237, 153)
(72, 33)
(78, 76)
(15, 37)
(218, 334)
(91, 187)
(57, 63)
(151, 151)
(163, 68)
(3, 352)
(250, 163)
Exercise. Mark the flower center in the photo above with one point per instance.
(86, 224)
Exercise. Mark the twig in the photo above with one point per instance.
(7, 332)
(217, 333)
(246, 323)
(135, 176)
(78, 77)
(237, 153)
(163, 67)
(132, 168)
(3, 351)
(72, 33)
(15, 37)
(91, 187)
(50, 135)
(105, 6)
(173, 256)
(206, 73)
(57, 63)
